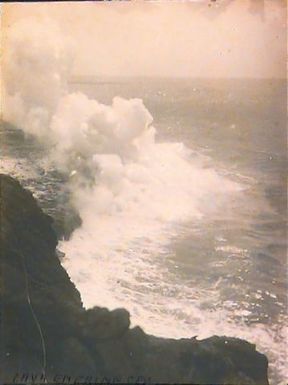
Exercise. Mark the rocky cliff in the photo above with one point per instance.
(46, 335)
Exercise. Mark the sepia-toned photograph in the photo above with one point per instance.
(143, 192)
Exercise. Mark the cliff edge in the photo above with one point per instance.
(47, 335)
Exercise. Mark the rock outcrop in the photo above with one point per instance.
(46, 332)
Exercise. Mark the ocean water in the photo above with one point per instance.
(189, 232)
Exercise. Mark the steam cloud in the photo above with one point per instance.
(113, 146)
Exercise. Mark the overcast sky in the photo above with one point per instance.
(223, 38)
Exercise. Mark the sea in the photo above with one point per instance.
(190, 237)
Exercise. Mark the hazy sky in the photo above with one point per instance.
(224, 38)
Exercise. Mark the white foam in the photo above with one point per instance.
(135, 276)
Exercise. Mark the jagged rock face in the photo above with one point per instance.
(31, 273)
(46, 331)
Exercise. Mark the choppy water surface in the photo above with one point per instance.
(220, 269)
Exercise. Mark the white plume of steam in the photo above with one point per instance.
(36, 70)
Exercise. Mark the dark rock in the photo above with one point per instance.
(100, 323)
(66, 220)
(46, 331)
